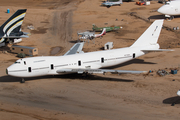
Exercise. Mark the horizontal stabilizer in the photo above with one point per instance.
(21, 36)
(26, 33)
(159, 50)
(101, 71)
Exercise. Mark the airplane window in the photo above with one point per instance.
(24, 62)
(17, 62)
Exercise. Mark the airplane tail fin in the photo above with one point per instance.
(102, 33)
(13, 24)
(150, 36)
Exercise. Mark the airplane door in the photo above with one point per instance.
(79, 63)
(102, 60)
(29, 69)
(134, 55)
(52, 66)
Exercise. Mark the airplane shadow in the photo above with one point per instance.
(160, 17)
(5, 48)
(72, 76)
(75, 41)
(133, 61)
(172, 100)
(157, 17)
(177, 16)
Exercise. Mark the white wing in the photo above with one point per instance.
(102, 71)
(77, 48)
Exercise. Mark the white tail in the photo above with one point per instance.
(150, 36)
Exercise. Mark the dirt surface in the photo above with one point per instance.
(97, 97)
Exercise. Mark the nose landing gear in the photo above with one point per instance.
(22, 80)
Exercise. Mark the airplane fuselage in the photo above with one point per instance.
(40, 66)
(171, 8)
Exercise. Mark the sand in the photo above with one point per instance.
(97, 97)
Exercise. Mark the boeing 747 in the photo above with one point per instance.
(91, 62)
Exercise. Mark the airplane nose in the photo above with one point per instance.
(161, 10)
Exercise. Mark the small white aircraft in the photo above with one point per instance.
(170, 9)
(75, 61)
(109, 4)
(91, 35)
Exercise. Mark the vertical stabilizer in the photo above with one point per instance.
(13, 24)
(150, 36)
(102, 33)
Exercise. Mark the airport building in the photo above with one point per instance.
(31, 51)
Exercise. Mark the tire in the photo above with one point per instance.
(22, 81)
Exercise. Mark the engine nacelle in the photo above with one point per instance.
(178, 92)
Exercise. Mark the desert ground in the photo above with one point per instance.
(97, 97)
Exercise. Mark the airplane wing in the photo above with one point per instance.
(77, 48)
(102, 71)
(158, 50)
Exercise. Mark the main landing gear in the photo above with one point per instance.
(169, 18)
(22, 80)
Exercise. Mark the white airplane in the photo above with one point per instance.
(178, 92)
(75, 61)
(170, 9)
(109, 4)
(91, 35)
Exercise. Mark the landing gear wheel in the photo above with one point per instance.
(22, 80)
(170, 18)
(108, 6)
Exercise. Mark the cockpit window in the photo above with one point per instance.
(17, 62)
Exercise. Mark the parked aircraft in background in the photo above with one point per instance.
(109, 3)
(108, 29)
(91, 35)
(10, 31)
(91, 62)
(170, 9)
